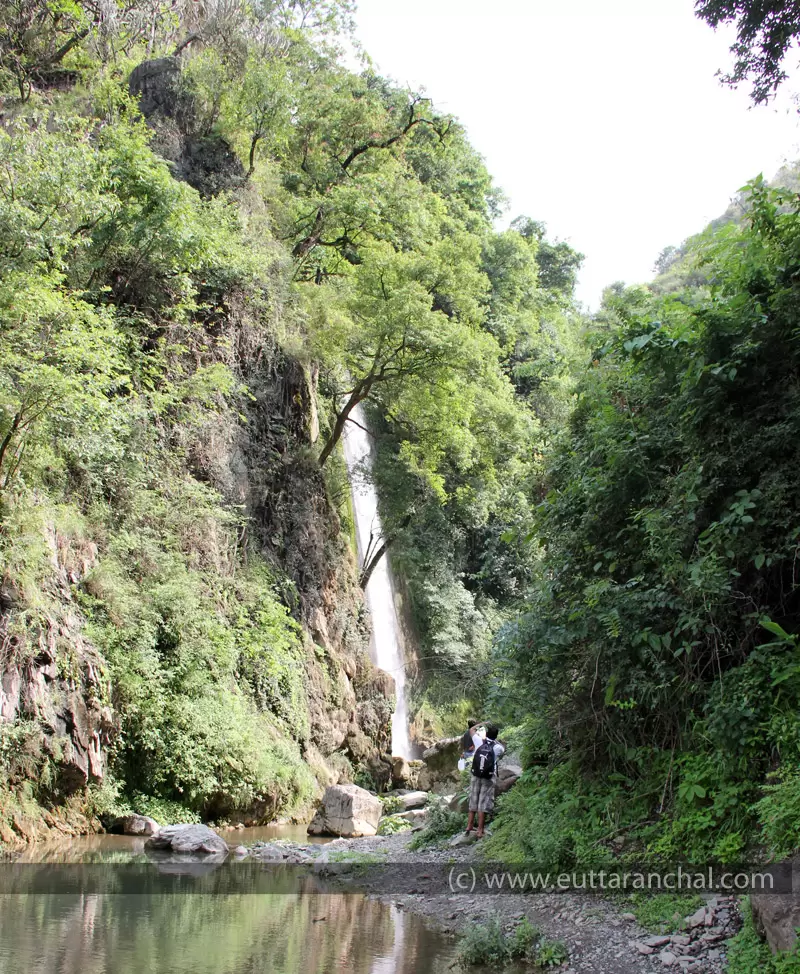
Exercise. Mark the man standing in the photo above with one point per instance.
(484, 776)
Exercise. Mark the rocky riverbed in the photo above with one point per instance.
(599, 933)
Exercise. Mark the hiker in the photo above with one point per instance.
(484, 776)
(470, 740)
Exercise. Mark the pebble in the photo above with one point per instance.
(667, 958)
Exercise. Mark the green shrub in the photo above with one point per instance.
(484, 944)
(391, 804)
(442, 824)
(165, 812)
(488, 945)
(392, 824)
(559, 820)
(779, 814)
(747, 952)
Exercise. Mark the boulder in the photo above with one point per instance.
(400, 772)
(135, 825)
(405, 774)
(282, 851)
(777, 915)
(347, 811)
(507, 777)
(440, 771)
(415, 815)
(697, 919)
(414, 799)
(156, 83)
(187, 838)
(464, 838)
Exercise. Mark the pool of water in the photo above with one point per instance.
(313, 932)
(96, 848)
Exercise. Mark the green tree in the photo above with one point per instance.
(765, 33)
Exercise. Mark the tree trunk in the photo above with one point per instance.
(359, 394)
(369, 567)
(372, 561)
(253, 144)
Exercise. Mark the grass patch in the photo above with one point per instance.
(358, 858)
(663, 912)
(488, 945)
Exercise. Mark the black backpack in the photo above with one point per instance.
(484, 761)
(466, 741)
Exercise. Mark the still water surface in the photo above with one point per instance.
(295, 933)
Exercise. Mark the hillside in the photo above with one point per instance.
(216, 241)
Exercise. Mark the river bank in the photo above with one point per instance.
(599, 933)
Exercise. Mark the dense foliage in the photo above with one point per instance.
(160, 277)
(659, 647)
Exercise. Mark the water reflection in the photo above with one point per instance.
(122, 848)
(199, 934)
(281, 933)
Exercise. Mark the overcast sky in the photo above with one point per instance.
(601, 117)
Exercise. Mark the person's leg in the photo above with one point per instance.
(484, 804)
(474, 796)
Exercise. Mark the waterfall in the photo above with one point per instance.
(386, 648)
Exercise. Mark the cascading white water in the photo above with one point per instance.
(387, 651)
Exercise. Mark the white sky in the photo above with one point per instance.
(604, 118)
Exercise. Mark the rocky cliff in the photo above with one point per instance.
(66, 594)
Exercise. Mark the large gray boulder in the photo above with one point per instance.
(186, 839)
(414, 799)
(347, 811)
(440, 772)
(157, 84)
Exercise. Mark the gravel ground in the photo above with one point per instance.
(600, 937)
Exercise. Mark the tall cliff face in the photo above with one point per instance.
(144, 644)
(58, 698)
(268, 465)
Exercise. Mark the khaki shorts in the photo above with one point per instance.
(481, 794)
